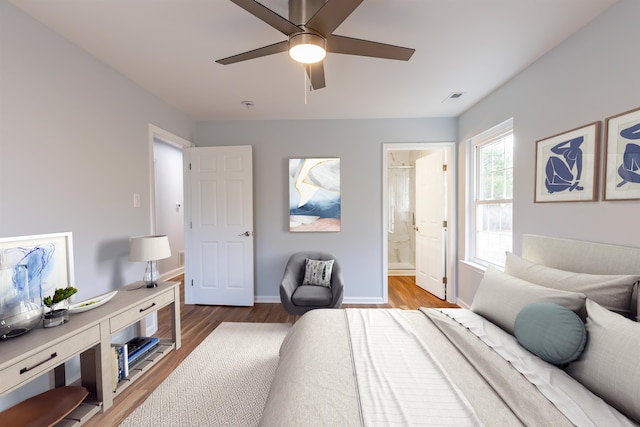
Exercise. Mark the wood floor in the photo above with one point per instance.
(198, 321)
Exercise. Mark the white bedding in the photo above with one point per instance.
(361, 367)
(575, 401)
(399, 380)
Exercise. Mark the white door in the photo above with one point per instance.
(219, 226)
(430, 227)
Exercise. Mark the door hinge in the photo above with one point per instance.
(444, 223)
(444, 168)
(444, 280)
(191, 282)
(189, 166)
(191, 225)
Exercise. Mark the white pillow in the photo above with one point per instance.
(609, 365)
(610, 291)
(500, 297)
(318, 272)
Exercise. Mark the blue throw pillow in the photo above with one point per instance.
(551, 332)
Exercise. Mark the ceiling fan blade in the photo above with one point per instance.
(267, 15)
(316, 75)
(331, 15)
(256, 53)
(351, 46)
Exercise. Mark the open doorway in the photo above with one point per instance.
(401, 195)
(167, 196)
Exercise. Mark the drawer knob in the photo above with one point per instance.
(53, 356)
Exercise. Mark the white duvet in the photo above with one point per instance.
(399, 380)
(433, 367)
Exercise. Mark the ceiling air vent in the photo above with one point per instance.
(453, 97)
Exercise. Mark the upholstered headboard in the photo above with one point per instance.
(584, 257)
(576, 255)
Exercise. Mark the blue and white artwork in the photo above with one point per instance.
(623, 157)
(314, 194)
(33, 267)
(565, 166)
(629, 169)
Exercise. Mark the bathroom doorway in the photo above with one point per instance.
(402, 242)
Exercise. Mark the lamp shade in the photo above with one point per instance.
(149, 248)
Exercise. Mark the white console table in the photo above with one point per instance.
(88, 334)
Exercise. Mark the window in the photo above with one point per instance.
(492, 201)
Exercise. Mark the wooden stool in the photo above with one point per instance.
(45, 409)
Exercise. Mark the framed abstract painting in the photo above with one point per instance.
(314, 195)
(622, 157)
(48, 259)
(566, 166)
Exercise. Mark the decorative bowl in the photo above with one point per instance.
(21, 320)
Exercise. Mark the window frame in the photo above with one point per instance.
(490, 136)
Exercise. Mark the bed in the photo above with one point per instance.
(552, 340)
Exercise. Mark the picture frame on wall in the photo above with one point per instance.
(566, 166)
(622, 157)
(314, 195)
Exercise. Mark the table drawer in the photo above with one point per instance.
(48, 358)
(140, 311)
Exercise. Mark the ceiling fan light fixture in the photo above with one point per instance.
(307, 48)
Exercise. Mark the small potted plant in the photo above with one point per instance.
(58, 305)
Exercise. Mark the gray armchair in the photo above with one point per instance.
(297, 299)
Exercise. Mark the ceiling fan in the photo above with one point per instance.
(310, 30)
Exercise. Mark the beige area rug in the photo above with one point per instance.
(223, 382)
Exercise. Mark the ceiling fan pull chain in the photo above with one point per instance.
(304, 70)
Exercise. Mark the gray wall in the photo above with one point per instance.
(358, 143)
(593, 75)
(74, 147)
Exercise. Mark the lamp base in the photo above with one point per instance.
(150, 277)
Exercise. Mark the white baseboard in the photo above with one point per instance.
(361, 300)
(267, 299)
(173, 273)
(463, 304)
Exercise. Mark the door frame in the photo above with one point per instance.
(156, 133)
(452, 200)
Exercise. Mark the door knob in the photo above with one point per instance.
(246, 234)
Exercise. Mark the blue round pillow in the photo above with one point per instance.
(550, 331)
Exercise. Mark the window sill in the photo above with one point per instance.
(479, 267)
(474, 266)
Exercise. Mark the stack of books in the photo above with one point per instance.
(126, 356)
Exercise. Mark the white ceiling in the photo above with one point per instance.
(169, 47)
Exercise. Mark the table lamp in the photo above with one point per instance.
(150, 249)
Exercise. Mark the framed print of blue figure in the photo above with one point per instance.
(314, 195)
(622, 157)
(566, 166)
